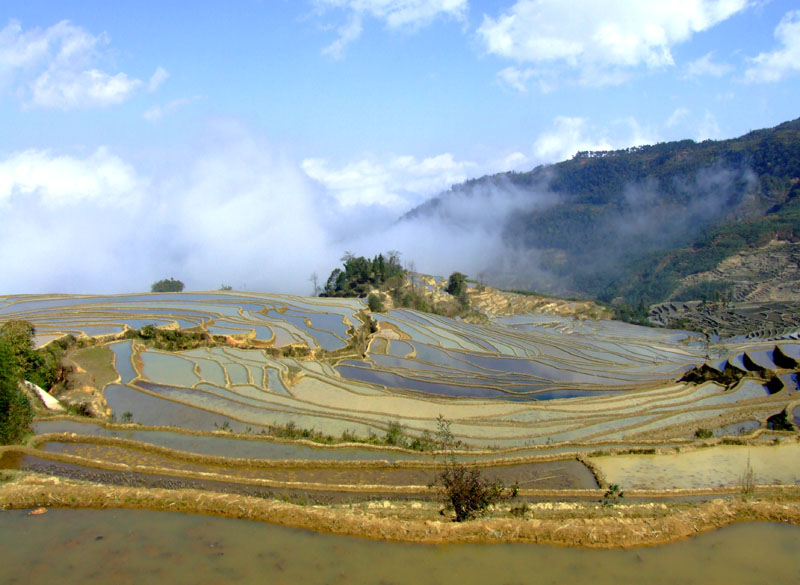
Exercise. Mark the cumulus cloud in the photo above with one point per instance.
(395, 14)
(600, 39)
(776, 65)
(396, 181)
(57, 181)
(570, 134)
(68, 90)
(95, 223)
(567, 136)
(57, 68)
(69, 222)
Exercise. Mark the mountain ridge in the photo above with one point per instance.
(628, 225)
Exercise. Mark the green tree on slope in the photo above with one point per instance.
(15, 410)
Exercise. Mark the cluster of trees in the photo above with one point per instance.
(173, 339)
(167, 285)
(638, 313)
(359, 275)
(383, 275)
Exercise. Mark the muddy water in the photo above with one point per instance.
(131, 546)
(225, 447)
(569, 474)
(721, 466)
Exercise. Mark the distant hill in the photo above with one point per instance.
(631, 225)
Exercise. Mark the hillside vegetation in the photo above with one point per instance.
(629, 225)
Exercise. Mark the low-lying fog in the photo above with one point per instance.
(240, 213)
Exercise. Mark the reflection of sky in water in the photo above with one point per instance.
(153, 411)
(122, 360)
(791, 349)
(762, 358)
(210, 371)
(399, 348)
(323, 339)
(395, 381)
(168, 369)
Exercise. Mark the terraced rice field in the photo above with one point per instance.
(741, 321)
(529, 386)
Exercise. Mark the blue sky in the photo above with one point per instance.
(185, 136)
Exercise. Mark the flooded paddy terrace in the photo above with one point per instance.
(518, 381)
(534, 399)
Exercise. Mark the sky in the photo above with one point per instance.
(251, 144)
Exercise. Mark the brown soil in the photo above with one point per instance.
(565, 474)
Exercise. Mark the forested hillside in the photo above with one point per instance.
(629, 224)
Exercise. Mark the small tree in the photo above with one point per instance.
(747, 481)
(375, 303)
(457, 284)
(394, 435)
(613, 495)
(466, 492)
(167, 285)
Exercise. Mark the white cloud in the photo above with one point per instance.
(22, 49)
(68, 90)
(63, 181)
(157, 112)
(705, 67)
(677, 117)
(397, 181)
(776, 65)
(515, 78)
(157, 79)
(600, 39)
(395, 14)
(568, 136)
(57, 68)
(95, 223)
(348, 33)
(513, 162)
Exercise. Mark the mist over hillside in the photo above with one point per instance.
(629, 222)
